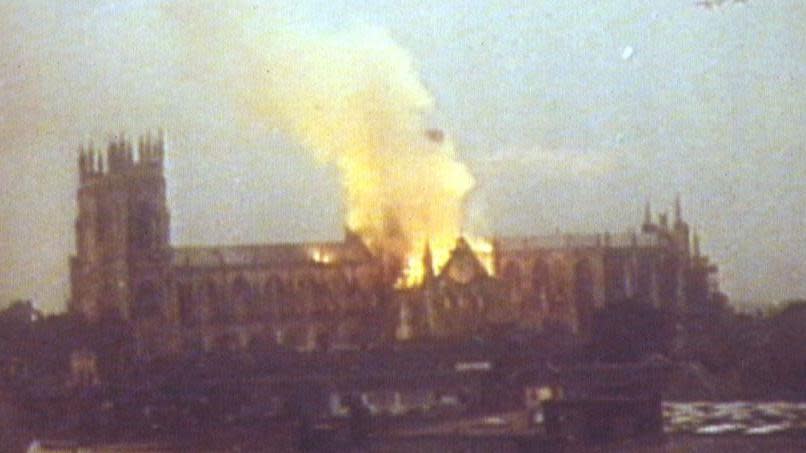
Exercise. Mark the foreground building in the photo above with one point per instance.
(339, 294)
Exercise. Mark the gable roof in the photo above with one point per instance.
(271, 254)
(463, 266)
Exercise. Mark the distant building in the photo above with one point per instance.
(338, 294)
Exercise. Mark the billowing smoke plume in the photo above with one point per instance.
(356, 101)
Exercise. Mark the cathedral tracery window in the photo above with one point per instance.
(512, 274)
(214, 302)
(583, 294)
(667, 276)
(146, 302)
(273, 293)
(557, 287)
(540, 284)
(242, 299)
(187, 309)
(143, 226)
(102, 219)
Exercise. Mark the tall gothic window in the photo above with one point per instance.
(103, 221)
(214, 302)
(583, 294)
(242, 299)
(512, 274)
(272, 294)
(187, 309)
(146, 301)
(540, 280)
(143, 226)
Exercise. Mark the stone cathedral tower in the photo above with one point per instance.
(122, 232)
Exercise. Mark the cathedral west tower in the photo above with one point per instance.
(122, 232)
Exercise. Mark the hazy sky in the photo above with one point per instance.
(562, 124)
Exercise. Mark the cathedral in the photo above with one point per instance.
(313, 296)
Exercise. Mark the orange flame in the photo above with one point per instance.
(414, 270)
(357, 102)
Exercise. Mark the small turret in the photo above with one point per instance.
(648, 226)
(678, 211)
(145, 152)
(160, 148)
(129, 155)
(680, 229)
(428, 265)
(90, 162)
(140, 147)
(112, 156)
(120, 154)
(150, 153)
(82, 165)
(99, 165)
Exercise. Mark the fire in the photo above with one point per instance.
(414, 271)
(484, 250)
(320, 257)
(356, 101)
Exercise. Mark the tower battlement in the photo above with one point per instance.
(121, 157)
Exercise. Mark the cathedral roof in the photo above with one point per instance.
(271, 254)
(463, 266)
(557, 241)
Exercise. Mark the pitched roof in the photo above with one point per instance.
(463, 266)
(271, 254)
(557, 241)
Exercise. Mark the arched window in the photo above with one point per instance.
(147, 301)
(187, 308)
(143, 226)
(273, 289)
(583, 294)
(667, 280)
(271, 295)
(337, 285)
(103, 218)
(614, 277)
(303, 294)
(353, 288)
(512, 274)
(321, 296)
(540, 283)
(242, 300)
(214, 301)
(557, 286)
